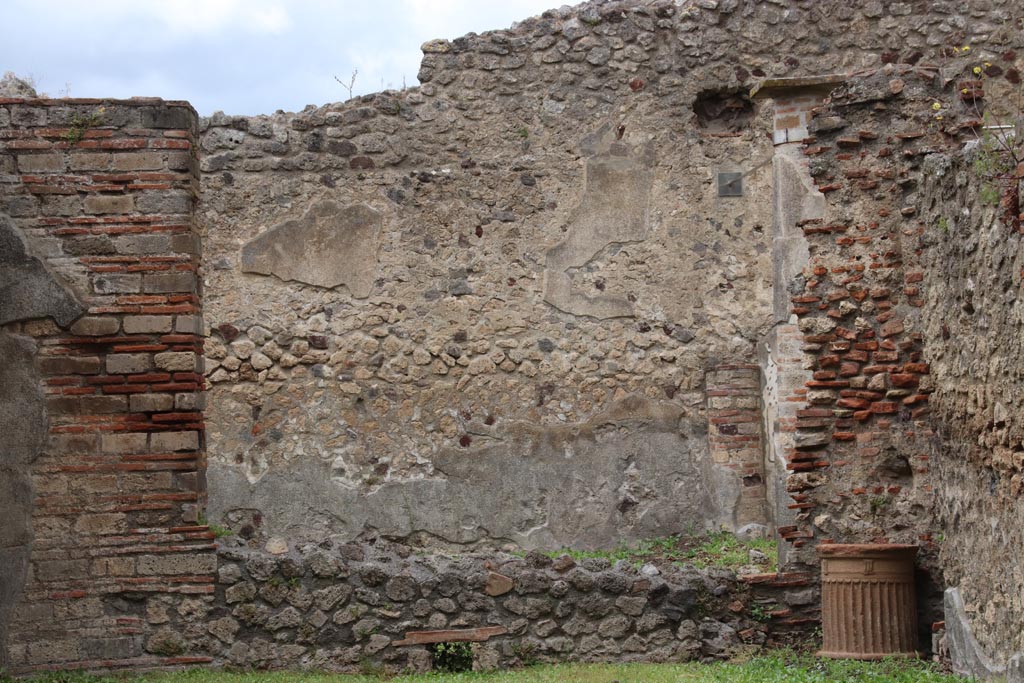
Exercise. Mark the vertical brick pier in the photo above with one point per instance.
(102, 193)
(735, 435)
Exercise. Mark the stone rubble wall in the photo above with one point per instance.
(97, 196)
(550, 282)
(972, 325)
(346, 607)
(545, 274)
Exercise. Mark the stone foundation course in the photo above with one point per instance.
(342, 607)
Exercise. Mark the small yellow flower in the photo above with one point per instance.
(966, 48)
(936, 106)
(977, 71)
(963, 91)
(956, 50)
(938, 117)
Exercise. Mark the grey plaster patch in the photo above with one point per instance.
(966, 653)
(328, 246)
(612, 210)
(796, 198)
(14, 566)
(23, 424)
(633, 472)
(15, 498)
(22, 413)
(27, 289)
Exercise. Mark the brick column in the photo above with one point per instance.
(734, 435)
(103, 193)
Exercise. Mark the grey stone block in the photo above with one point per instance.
(94, 326)
(179, 161)
(169, 283)
(90, 161)
(41, 163)
(177, 361)
(90, 245)
(190, 401)
(149, 403)
(181, 118)
(171, 202)
(147, 324)
(102, 405)
(122, 647)
(174, 441)
(188, 324)
(22, 206)
(108, 283)
(135, 442)
(127, 363)
(71, 365)
(61, 570)
(105, 204)
(143, 244)
(185, 244)
(179, 563)
(28, 116)
(138, 161)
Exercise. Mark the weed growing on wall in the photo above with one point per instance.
(999, 162)
(999, 154)
(761, 613)
(452, 657)
(81, 123)
(351, 82)
(217, 530)
(525, 652)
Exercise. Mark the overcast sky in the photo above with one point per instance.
(238, 56)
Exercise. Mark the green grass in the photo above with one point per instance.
(779, 667)
(725, 550)
(720, 549)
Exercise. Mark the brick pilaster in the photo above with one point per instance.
(104, 192)
(735, 435)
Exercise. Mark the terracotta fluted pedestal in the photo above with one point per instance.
(868, 603)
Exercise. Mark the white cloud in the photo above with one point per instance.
(215, 16)
(242, 56)
(184, 17)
